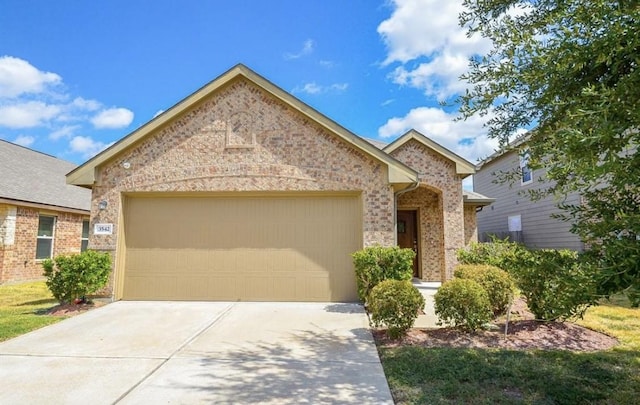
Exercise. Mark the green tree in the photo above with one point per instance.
(570, 69)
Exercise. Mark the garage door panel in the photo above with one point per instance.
(162, 287)
(196, 260)
(235, 248)
(196, 288)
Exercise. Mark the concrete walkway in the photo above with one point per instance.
(428, 289)
(198, 352)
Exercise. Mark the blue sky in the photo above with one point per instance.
(76, 76)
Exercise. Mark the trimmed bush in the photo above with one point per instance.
(498, 284)
(462, 303)
(499, 253)
(377, 263)
(70, 277)
(395, 304)
(555, 284)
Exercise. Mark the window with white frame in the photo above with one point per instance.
(525, 170)
(46, 231)
(85, 235)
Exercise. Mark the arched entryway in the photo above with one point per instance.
(421, 211)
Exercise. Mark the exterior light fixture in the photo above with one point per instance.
(102, 205)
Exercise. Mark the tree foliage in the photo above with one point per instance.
(569, 69)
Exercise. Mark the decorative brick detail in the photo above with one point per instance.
(438, 173)
(242, 139)
(18, 251)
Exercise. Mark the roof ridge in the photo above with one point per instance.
(36, 151)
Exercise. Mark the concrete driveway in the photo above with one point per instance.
(198, 352)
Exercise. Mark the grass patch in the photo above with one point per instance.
(23, 307)
(444, 375)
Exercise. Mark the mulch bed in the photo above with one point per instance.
(524, 333)
(74, 309)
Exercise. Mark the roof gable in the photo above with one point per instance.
(34, 177)
(513, 146)
(85, 174)
(463, 166)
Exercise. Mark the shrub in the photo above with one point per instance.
(76, 276)
(499, 253)
(498, 284)
(462, 303)
(555, 284)
(375, 264)
(395, 304)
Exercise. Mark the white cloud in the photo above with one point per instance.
(439, 77)
(314, 88)
(466, 138)
(18, 77)
(27, 114)
(24, 140)
(86, 105)
(339, 87)
(66, 131)
(113, 118)
(309, 88)
(158, 113)
(307, 48)
(87, 146)
(329, 64)
(428, 31)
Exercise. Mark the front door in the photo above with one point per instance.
(408, 235)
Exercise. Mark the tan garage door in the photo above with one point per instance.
(241, 248)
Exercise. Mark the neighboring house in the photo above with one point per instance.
(41, 216)
(513, 214)
(243, 192)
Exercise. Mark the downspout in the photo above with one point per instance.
(395, 208)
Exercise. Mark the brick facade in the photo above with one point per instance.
(438, 174)
(470, 224)
(18, 237)
(431, 244)
(242, 139)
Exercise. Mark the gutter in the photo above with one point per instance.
(395, 208)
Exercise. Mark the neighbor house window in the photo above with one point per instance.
(44, 245)
(85, 235)
(527, 174)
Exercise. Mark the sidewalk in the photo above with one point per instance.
(428, 289)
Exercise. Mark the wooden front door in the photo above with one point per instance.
(408, 235)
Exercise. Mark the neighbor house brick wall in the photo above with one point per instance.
(437, 172)
(243, 139)
(18, 240)
(470, 224)
(431, 244)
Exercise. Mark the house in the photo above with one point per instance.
(513, 214)
(243, 192)
(41, 216)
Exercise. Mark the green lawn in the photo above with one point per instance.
(22, 308)
(419, 375)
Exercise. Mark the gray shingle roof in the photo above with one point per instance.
(477, 198)
(27, 175)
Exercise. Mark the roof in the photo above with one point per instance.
(501, 152)
(472, 198)
(34, 177)
(463, 166)
(84, 175)
(378, 144)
